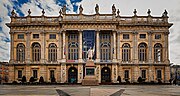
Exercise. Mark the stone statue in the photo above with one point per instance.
(90, 53)
(80, 9)
(135, 12)
(113, 9)
(29, 12)
(43, 12)
(64, 9)
(97, 9)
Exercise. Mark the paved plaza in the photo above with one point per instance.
(78, 90)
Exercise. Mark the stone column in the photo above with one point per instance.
(118, 46)
(59, 52)
(80, 73)
(43, 72)
(27, 72)
(135, 74)
(64, 47)
(63, 73)
(150, 46)
(135, 48)
(166, 48)
(98, 73)
(97, 46)
(114, 73)
(12, 48)
(11, 73)
(151, 73)
(80, 46)
(28, 47)
(58, 70)
(43, 47)
(114, 47)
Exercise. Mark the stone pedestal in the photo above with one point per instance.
(90, 78)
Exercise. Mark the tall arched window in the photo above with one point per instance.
(158, 52)
(126, 52)
(20, 52)
(105, 51)
(52, 52)
(73, 51)
(36, 52)
(142, 52)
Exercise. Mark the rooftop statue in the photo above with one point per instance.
(80, 9)
(113, 9)
(97, 9)
(29, 12)
(64, 9)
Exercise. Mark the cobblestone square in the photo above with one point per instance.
(78, 90)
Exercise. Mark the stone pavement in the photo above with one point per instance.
(78, 90)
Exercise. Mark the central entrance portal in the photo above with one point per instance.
(105, 75)
(72, 75)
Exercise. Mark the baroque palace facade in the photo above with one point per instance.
(126, 46)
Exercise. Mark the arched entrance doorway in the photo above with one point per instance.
(105, 75)
(72, 75)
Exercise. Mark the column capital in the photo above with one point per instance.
(28, 32)
(97, 30)
(135, 32)
(166, 33)
(11, 32)
(150, 32)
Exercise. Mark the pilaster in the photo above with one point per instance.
(80, 46)
(64, 47)
(43, 47)
(150, 46)
(28, 48)
(118, 46)
(135, 47)
(59, 52)
(97, 46)
(63, 73)
(12, 48)
(166, 48)
(80, 73)
(114, 47)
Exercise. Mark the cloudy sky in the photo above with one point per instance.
(126, 7)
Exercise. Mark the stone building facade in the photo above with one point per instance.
(126, 46)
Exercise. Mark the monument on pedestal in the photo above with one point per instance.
(90, 78)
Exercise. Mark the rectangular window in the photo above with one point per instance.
(157, 36)
(35, 73)
(143, 74)
(19, 73)
(142, 36)
(51, 73)
(52, 36)
(35, 35)
(159, 74)
(20, 36)
(125, 36)
(126, 74)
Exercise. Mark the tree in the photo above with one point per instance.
(119, 79)
(41, 80)
(140, 80)
(24, 79)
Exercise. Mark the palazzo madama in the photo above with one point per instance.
(128, 47)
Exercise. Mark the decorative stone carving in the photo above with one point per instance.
(113, 9)
(29, 12)
(13, 14)
(135, 12)
(64, 9)
(149, 12)
(165, 14)
(80, 9)
(43, 12)
(118, 13)
(97, 9)
(60, 12)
